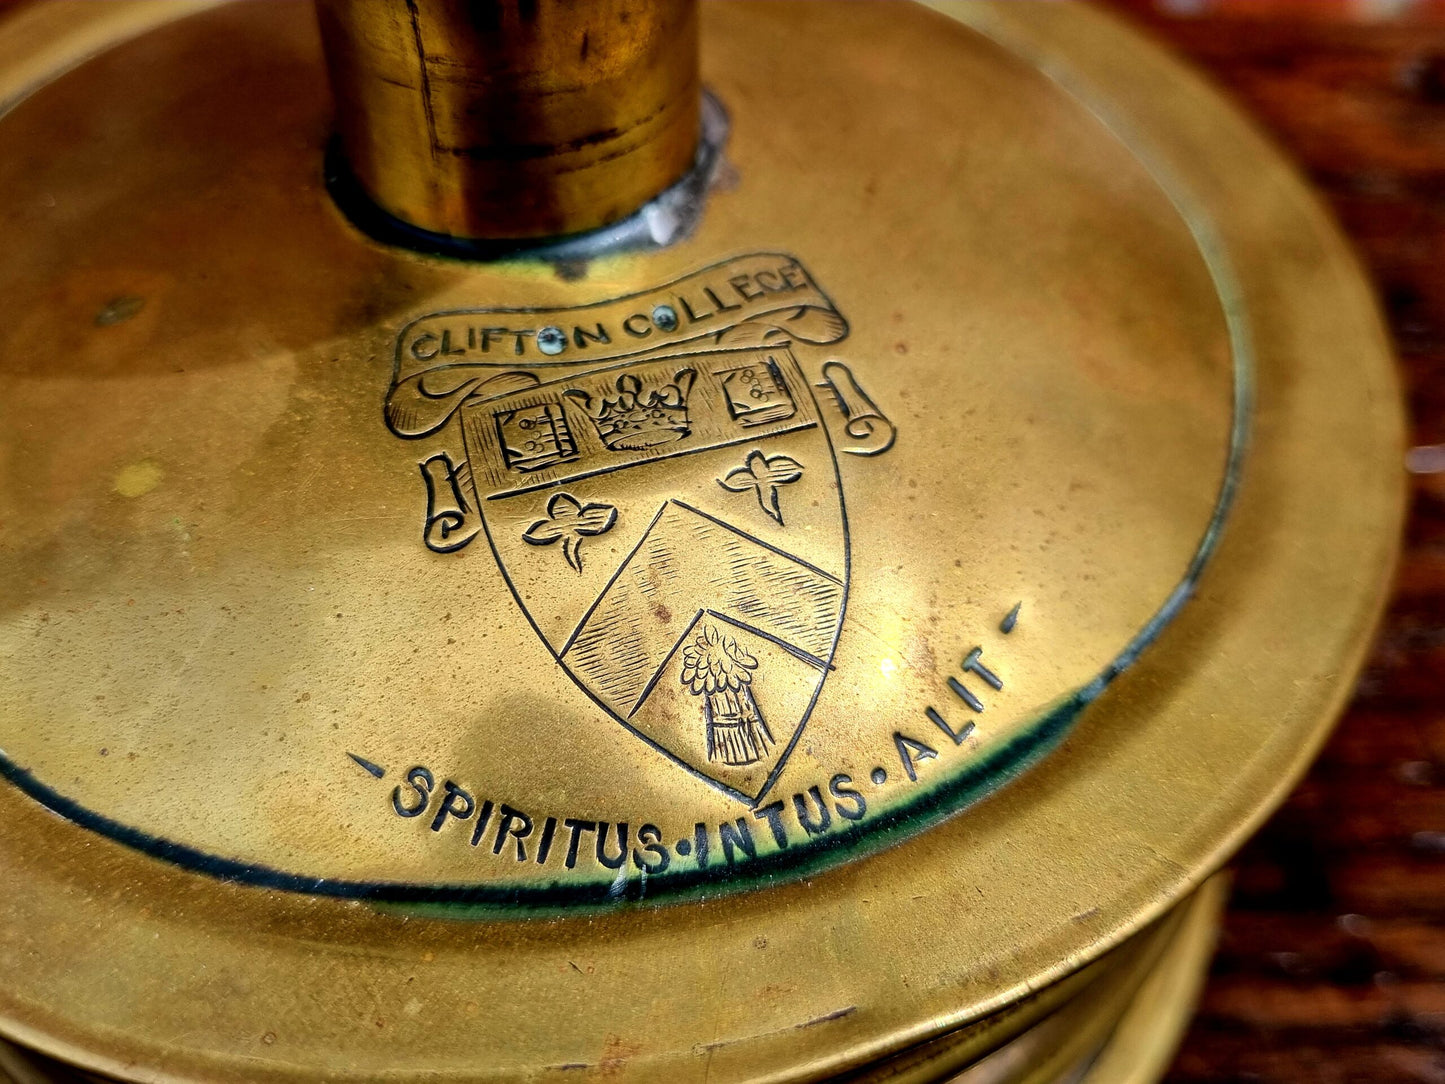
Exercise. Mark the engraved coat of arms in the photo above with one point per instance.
(656, 478)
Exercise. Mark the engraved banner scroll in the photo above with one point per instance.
(446, 359)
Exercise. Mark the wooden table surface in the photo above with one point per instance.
(1331, 966)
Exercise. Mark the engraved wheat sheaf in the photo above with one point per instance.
(720, 671)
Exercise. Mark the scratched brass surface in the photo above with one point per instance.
(1144, 1041)
(1119, 1019)
(213, 448)
(514, 119)
(686, 602)
(1124, 1030)
(1080, 1013)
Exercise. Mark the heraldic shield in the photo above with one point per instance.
(674, 530)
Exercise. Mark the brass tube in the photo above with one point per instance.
(513, 119)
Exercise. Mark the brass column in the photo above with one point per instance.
(513, 119)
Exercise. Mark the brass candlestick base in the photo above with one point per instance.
(425, 669)
(514, 118)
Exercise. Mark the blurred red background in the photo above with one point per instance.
(1331, 967)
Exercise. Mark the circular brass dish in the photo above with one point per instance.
(283, 608)
(583, 637)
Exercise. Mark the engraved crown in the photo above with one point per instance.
(640, 417)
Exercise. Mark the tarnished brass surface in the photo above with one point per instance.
(273, 577)
(1122, 1030)
(1145, 1041)
(1070, 1017)
(514, 118)
(19, 1066)
(1116, 1021)
(349, 565)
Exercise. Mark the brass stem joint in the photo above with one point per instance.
(513, 119)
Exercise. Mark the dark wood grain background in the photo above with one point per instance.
(1331, 967)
